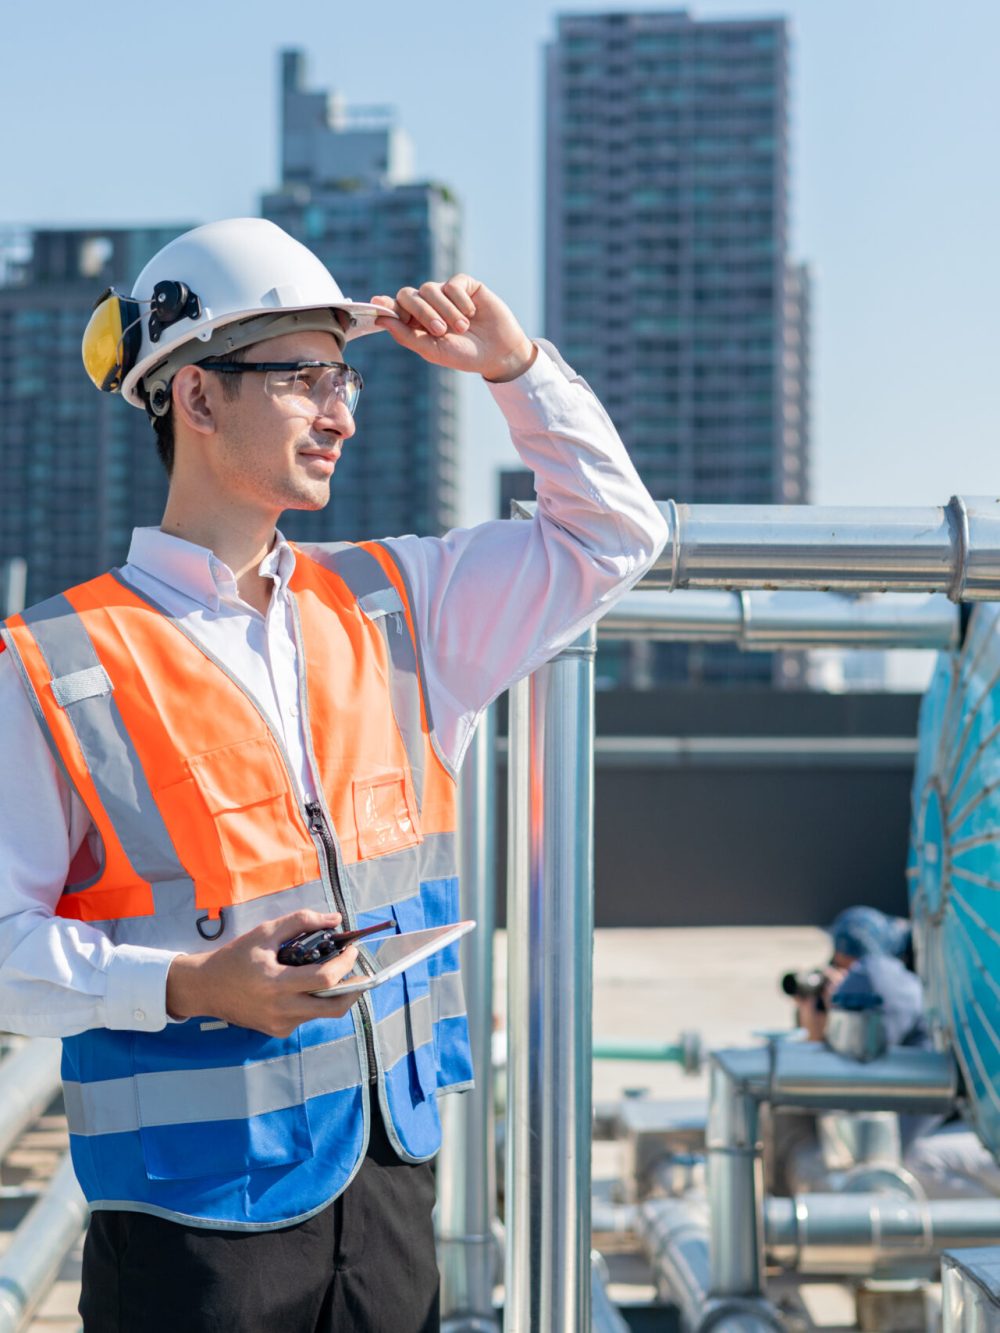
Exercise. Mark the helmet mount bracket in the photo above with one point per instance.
(171, 301)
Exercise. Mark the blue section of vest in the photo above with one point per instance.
(219, 1126)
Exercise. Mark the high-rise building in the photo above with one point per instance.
(78, 468)
(667, 282)
(347, 191)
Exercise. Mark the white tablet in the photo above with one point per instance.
(395, 954)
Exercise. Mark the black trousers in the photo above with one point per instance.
(365, 1264)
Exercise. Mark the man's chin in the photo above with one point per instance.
(315, 498)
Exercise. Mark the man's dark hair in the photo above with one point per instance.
(163, 427)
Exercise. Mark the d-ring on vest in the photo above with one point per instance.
(197, 820)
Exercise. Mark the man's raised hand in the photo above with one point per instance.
(459, 324)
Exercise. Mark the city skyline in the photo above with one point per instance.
(668, 281)
(892, 108)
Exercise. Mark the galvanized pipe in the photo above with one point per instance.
(674, 1234)
(735, 1184)
(810, 1076)
(954, 549)
(859, 1233)
(550, 977)
(765, 621)
(800, 1074)
(29, 1080)
(604, 1315)
(466, 1172)
(39, 1247)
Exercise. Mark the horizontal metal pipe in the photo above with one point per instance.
(952, 549)
(40, 1245)
(882, 752)
(29, 1080)
(616, 1218)
(811, 1076)
(765, 621)
(638, 1050)
(808, 1075)
(859, 1233)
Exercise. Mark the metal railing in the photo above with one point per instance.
(954, 550)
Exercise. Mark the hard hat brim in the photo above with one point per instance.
(362, 313)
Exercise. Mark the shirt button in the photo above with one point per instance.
(293, 710)
(139, 1015)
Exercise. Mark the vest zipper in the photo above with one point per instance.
(318, 828)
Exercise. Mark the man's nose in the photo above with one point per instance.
(335, 419)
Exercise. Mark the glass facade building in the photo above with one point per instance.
(667, 280)
(78, 468)
(346, 192)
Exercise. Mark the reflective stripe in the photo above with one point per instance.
(195, 1096)
(406, 1029)
(178, 929)
(443, 759)
(110, 755)
(367, 580)
(382, 880)
(437, 856)
(81, 685)
(447, 996)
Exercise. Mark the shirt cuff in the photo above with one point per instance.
(136, 995)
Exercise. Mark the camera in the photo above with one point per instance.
(806, 985)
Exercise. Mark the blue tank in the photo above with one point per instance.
(954, 865)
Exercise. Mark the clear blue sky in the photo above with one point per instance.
(151, 113)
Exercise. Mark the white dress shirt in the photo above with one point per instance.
(490, 603)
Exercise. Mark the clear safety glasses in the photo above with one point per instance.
(308, 385)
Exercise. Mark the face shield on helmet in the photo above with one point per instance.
(207, 293)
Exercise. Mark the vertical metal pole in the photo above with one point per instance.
(466, 1171)
(550, 940)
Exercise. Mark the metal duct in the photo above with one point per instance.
(29, 1080)
(466, 1172)
(859, 1233)
(604, 1314)
(801, 1074)
(952, 549)
(39, 1247)
(674, 1234)
(970, 1282)
(765, 621)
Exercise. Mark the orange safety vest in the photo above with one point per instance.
(200, 835)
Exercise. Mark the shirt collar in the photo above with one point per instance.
(197, 572)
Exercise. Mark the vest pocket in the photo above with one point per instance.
(385, 814)
(221, 1102)
(245, 790)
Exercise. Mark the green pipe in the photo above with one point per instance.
(639, 1050)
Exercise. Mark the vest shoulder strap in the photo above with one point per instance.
(378, 598)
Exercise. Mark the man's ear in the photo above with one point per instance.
(194, 399)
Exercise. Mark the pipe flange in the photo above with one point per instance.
(722, 1308)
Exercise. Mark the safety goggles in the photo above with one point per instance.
(307, 385)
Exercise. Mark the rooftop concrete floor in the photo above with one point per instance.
(651, 984)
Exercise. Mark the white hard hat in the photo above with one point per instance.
(214, 289)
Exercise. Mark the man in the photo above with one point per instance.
(866, 962)
(232, 740)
